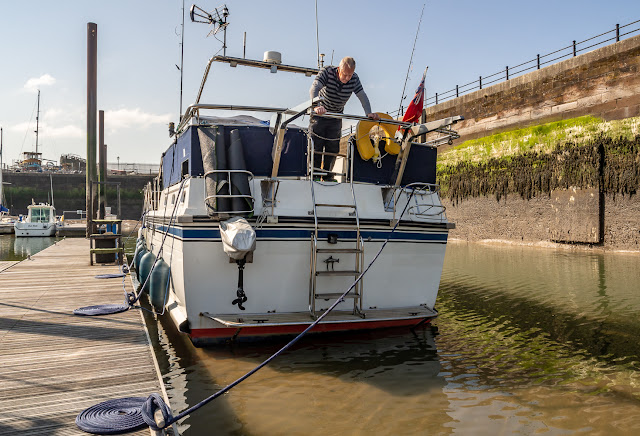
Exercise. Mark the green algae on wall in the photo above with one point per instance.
(612, 165)
(543, 137)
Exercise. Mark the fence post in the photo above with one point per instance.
(436, 98)
(617, 33)
(507, 70)
(457, 94)
(574, 48)
(480, 82)
(538, 61)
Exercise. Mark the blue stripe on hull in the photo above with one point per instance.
(305, 234)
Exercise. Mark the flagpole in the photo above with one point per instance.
(423, 113)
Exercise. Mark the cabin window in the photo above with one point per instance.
(165, 200)
(39, 215)
(185, 168)
(173, 199)
(184, 196)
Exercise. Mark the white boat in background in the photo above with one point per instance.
(6, 222)
(40, 221)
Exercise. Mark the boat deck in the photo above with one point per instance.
(417, 313)
(54, 364)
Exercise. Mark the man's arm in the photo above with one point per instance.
(366, 105)
(316, 86)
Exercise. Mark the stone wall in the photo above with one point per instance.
(603, 83)
(69, 192)
(531, 221)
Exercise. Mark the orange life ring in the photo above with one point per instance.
(363, 143)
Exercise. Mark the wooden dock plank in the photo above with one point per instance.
(54, 364)
(4, 264)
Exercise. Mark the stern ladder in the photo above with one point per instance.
(318, 291)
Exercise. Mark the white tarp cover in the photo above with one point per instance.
(238, 237)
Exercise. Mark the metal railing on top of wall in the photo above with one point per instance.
(616, 34)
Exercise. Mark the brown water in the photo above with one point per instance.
(529, 341)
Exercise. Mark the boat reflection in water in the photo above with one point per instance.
(25, 247)
(528, 340)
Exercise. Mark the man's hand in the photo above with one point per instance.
(320, 110)
(374, 116)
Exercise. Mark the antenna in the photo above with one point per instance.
(319, 59)
(404, 88)
(182, 58)
(217, 18)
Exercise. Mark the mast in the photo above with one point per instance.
(1, 190)
(37, 123)
(181, 60)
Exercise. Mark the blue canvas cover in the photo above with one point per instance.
(421, 167)
(257, 144)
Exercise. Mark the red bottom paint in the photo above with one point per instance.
(257, 331)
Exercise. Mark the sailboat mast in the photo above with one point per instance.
(37, 123)
(1, 191)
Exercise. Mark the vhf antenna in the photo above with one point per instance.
(217, 18)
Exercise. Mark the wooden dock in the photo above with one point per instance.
(54, 364)
(6, 264)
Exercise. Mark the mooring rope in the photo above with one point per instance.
(113, 416)
(155, 401)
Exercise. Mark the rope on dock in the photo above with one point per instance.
(101, 309)
(110, 276)
(155, 402)
(113, 416)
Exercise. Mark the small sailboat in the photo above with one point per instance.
(41, 218)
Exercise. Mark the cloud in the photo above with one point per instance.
(34, 83)
(51, 130)
(68, 131)
(127, 118)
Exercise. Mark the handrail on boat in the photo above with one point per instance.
(422, 208)
(194, 110)
(228, 174)
(282, 117)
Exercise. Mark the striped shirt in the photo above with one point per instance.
(334, 94)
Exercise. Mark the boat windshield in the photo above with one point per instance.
(40, 215)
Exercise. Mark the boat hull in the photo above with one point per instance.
(300, 265)
(276, 282)
(23, 229)
(206, 336)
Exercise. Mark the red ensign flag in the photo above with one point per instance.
(415, 107)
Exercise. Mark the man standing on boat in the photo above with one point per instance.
(334, 86)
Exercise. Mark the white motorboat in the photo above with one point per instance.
(313, 238)
(241, 239)
(40, 221)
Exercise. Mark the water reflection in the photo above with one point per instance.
(12, 248)
(528, 341)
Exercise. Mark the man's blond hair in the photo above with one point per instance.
(348, 62)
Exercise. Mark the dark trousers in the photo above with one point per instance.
(329, 128)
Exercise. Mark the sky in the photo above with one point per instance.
(44, 45)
